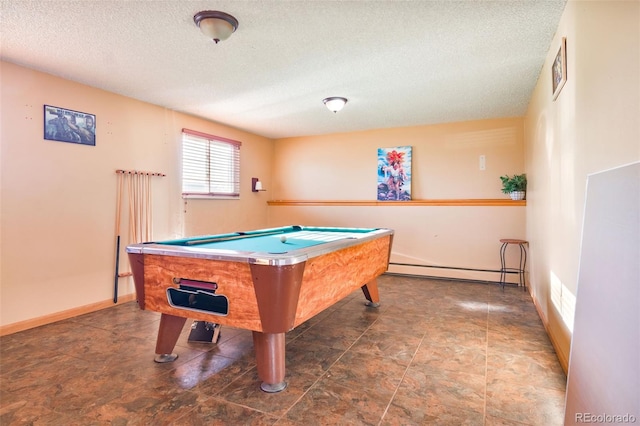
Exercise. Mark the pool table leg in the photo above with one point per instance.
(370, 291)
(270, 354)
(168, 333)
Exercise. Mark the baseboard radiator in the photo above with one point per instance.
(448, 273)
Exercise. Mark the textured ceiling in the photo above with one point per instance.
(400, 63)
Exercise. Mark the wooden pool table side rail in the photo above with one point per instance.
(330, 278)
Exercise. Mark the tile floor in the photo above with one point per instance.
(435, 352)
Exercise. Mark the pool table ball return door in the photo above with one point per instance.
(301, 272)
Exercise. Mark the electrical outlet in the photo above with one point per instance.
(483, 162)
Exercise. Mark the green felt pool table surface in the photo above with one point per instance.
(272, 241)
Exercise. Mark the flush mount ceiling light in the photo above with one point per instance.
(216, 25)
(335, 103)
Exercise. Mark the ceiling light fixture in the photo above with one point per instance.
(216, 25)
(335, 103)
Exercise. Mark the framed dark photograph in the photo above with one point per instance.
(65, 125)
(559, 69)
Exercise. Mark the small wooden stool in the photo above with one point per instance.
(523, 261)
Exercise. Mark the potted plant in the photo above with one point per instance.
(515, 186)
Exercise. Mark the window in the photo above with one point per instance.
(210, 165)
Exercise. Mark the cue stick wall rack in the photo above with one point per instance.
(138, 172)
(139, 188)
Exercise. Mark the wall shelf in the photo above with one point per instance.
(502, 202)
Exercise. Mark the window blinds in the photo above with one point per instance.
(210, 165)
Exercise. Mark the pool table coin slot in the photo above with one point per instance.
(197, 284)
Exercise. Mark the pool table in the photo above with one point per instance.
(268, 281)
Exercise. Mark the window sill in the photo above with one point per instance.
(209, 197)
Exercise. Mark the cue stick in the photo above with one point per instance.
(148, 206)
(235, 237)
(133, 208)
(118, 210)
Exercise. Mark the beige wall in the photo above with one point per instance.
(593, 125)
(445, 166)
(58, 199)
(445, 161)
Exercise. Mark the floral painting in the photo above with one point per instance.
(394, 174)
